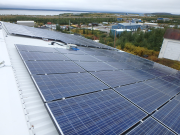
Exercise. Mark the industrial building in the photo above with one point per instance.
(118, 31)
(135, 20)
(131, 26)
(163, 19)
(171, 45)
(119, 19)
(26, 23)
(54, 83)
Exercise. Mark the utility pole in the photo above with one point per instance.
(114, 37)
(69, 27)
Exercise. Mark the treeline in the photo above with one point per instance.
(151, 40)
(61, 21)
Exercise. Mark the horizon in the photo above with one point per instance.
(128, 6)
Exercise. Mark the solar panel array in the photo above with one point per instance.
(96, 91)
(52, 35)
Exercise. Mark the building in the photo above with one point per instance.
(119, 19)
(118, 31)
(104, 23)
(149, 25)
(26, 23)
(92, 88)
(171, 45)
(163, 19)
(94, 24)
(135, 20)
(131, 26)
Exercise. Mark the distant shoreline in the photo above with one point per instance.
(66, 10)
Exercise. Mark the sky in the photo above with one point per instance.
(136, 6)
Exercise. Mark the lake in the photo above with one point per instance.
(34, 12)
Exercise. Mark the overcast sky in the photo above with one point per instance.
(138, 6)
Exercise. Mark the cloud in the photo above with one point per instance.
(99, 5)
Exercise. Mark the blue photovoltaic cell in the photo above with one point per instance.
(164, 86)
(115, 78)
(139, 74)
(144, 96)
(50, 67)
(81, 57)
(35, 48)
(57, 86)
(120, 65)
(169, 114)
(105, 58)
(70, 51)
(150, 127)
(95, 66)
(104, 113)
(42, 56)
(172, 79)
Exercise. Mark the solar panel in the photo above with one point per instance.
(102, 112)
(52, 67)
(105, 58)
(139, 74)
(164, 86)
(115, 78)
(144, 96)
(169, 115)
(151, 127)
(154, 72)
(139, 65)
(120, 65)
(95, 66)
(81, 57)
(172, 79)
(57, 86)
(53, 35)
(35, 48)
(95, 53)
(42, 56)
(70, 51)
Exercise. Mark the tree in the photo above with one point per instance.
(84, 32)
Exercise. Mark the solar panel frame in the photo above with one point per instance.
(29, 47)
(41, 33)
(120, 65)
(139, 74)
(146, 97)
(169, 115)
(95, 66)
(163, 86)
(59, 86)
(53, 67)
(81, 57)
(68, 51)
(82, 115)
(111, 78)
(41, 56)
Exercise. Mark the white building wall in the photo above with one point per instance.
(170, 49)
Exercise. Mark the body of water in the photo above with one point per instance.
(34, 12)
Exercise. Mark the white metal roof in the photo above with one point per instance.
(22, 110)
(122, 29)
(129, 24)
